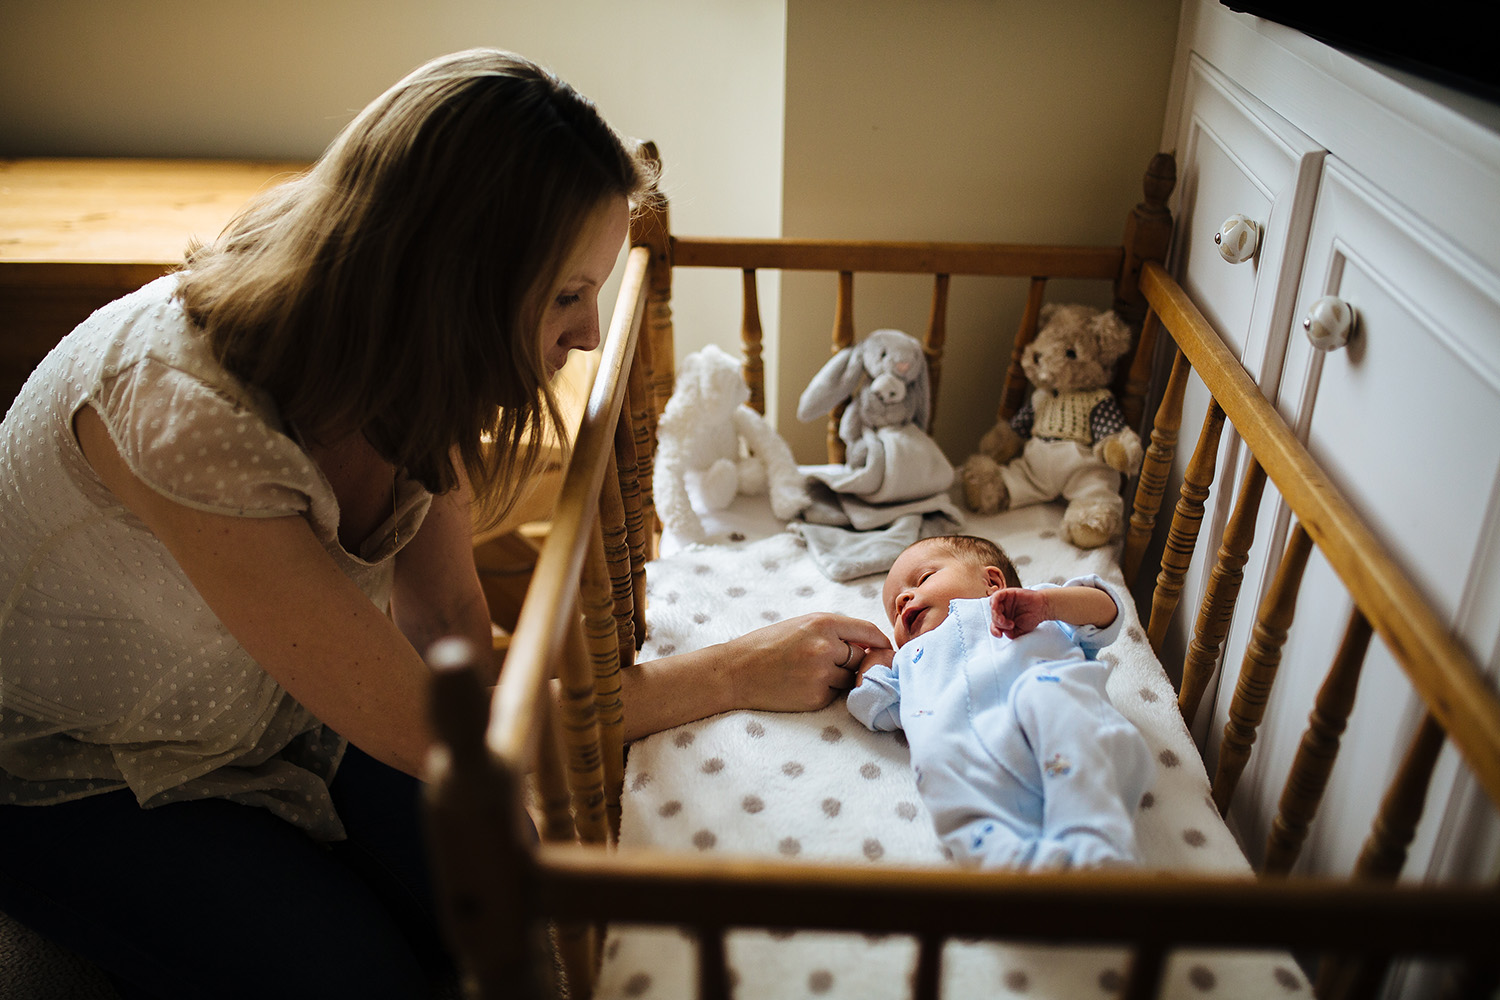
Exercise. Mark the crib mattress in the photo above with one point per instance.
(819, 786)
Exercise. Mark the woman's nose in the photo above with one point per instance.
(585, 337)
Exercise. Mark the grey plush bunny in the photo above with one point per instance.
(896, 392)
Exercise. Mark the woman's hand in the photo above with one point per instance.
(802, 663)
(795, 665)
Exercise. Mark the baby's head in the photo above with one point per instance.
(934, 571)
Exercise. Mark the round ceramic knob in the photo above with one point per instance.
(1328, 323)
(1237, 239)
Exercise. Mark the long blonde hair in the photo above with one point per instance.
(397, 287)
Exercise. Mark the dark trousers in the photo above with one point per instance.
(216, 899)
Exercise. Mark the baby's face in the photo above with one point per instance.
(922, 581)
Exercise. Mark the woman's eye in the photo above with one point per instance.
(568, 298)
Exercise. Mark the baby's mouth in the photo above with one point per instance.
(912, 618)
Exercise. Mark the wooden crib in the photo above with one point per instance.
(515, 905)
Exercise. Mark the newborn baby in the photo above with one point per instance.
(1018, 753)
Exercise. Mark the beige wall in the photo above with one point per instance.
(949, 119)
(278, 78)
(984, 120)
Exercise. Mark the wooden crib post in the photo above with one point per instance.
(933, 342)
(1258, 671)
(480, 835)
(1148, 234)
(1319, 748)
(751, 336)
(1155, 467)
(843, 336)
(651, 227)
(1182, 537)
(1223, 591)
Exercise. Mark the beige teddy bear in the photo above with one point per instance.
(1070, 439)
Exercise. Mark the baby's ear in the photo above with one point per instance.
(994, 577)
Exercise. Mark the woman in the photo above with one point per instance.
(237, 504)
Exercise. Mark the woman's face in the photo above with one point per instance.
(570, 317)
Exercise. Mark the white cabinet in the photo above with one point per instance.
(1377, 193)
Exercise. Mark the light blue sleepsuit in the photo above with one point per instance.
(1019, 755)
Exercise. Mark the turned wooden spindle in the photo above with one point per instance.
(1258, 670)
(1308, 778)
(751, 335)
(630, 585)
(578, 720)
(605, 583)
(843, 336)
(1155, 467)
(713, 967)
(1147, 966)
(927, 978)
(1013, 396)
(1182, 537)
(638, 404)
(1384, 855)
(553, 796)
(1137, 378)
(1384, 852)
(934, 341)
(1217, 607)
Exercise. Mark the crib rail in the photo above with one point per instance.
(1460, 703)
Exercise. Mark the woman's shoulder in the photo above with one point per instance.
(182, 423)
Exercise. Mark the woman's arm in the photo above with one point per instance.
(437, 591)
(285, 601)
(793, 666)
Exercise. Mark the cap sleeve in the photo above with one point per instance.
(194, 443)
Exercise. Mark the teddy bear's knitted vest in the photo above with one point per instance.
(1066, 415)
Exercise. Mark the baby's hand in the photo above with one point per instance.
(883, 657)
(1014, 611)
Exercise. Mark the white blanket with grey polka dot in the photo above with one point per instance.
(819, 786)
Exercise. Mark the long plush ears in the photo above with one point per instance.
(834, 383)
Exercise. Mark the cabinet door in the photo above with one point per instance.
(1235, 157)
(1404, 419)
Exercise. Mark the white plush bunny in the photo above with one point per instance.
(897, 392)
(708, 437)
